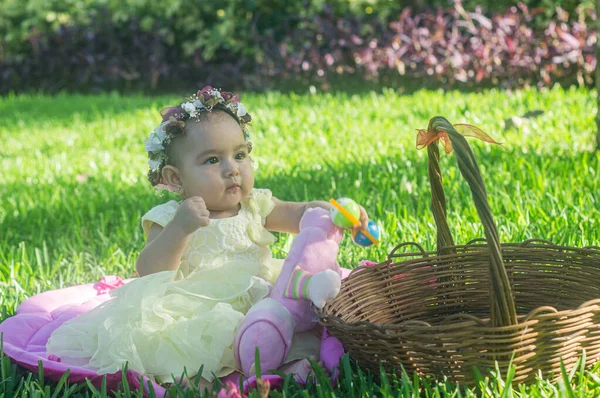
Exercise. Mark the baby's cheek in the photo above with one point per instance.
(248, 178)
(246, 188)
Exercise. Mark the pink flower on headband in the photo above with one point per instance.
(209, 96)
(205, 92)
(174, 126)
(229, 98)
(174, 111)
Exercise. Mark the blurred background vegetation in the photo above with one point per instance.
(100, 45)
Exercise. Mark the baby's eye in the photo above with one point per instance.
(212, 160)
(240, 155)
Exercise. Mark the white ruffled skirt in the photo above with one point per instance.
(162, 323)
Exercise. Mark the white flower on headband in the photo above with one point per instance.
(188, 107)
(154, 143)
(241, 110)
(154, 164)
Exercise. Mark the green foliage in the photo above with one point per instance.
(203, 27)
(98, 45)
(208, 27)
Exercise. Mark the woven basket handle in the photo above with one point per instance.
(502, 305)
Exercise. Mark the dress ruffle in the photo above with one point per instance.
(260, 204)
(161, 323)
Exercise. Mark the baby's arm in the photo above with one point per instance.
(286, 216)
(163, 249)
(165, 246)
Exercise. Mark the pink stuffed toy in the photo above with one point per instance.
(310, 275)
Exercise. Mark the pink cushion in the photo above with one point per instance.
(26, 333)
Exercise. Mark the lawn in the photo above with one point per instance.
(74, 187)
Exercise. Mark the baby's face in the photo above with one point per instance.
(215, 164)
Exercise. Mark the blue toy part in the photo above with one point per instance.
(361, 239)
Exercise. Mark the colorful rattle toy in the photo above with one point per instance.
(346, 213)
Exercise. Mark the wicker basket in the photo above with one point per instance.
(442, 313)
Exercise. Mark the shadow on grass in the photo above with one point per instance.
(97, 209)
(103, 212)
(66, 107)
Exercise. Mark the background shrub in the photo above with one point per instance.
(90, 45)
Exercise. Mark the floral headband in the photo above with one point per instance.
(173, 124)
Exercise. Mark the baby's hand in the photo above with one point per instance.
(192, 214)
(364, 221)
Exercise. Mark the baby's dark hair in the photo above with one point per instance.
(176, 119)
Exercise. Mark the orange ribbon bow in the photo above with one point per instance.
(426, 137)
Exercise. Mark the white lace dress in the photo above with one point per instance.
(166, 321)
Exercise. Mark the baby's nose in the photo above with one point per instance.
(232, 169)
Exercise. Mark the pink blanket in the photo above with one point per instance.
(25, 334)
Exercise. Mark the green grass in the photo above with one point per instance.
(73, 187)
